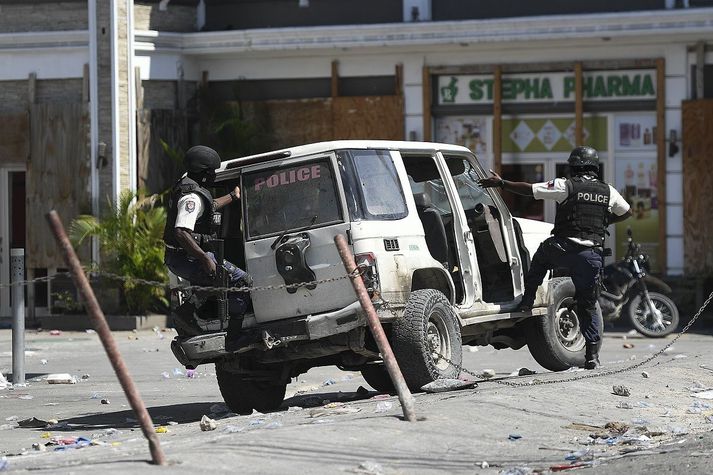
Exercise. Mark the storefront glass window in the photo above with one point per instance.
(524, 206)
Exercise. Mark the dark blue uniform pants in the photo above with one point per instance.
(187, 268)
(584, 265)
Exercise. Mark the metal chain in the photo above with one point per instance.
(588, 375)
(154, 283)
(36, 280)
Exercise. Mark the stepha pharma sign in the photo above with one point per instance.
(621, 85)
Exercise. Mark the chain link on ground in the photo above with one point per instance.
(589, 374)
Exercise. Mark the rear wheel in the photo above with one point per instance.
(426, 340)
(243, 395)
(555, 340)
(378, 377)
(653, 324)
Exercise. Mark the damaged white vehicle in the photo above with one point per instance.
(443, 260)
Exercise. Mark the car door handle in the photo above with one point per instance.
(468, 235)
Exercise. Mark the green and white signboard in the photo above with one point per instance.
(619, 85)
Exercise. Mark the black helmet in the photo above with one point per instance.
(584, 158)
(201, 158)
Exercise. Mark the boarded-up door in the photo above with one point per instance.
(698, 186)
(157, 170)
(14, 138)
(58, 176)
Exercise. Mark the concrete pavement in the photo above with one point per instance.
(527, 427)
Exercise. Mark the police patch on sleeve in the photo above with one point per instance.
(190, 206)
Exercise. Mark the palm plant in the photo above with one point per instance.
(130, 236)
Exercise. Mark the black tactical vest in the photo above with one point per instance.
(584, 214)
(202, 232)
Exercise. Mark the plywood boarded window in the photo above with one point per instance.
(58, 176)
(698, 186)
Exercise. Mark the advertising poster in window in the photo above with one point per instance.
(469, 131)
(635, 132)
(636, 180)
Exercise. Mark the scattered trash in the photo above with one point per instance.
(698, 387)
(294, 408)
(33, 423)
(161, 430)
(207, 424)
(680, 356)
(677, 430)
(703, 395)
(11, 418)
(55, 332)
(383, 406)
(105, 401)
(61, 378)
(578, 455)
(43, 362)
(89, 330)
(347, 377)
(628, 346)
(640, 422)
(158, 333)
(484, 464)
(274, 425)
(698, 407)
(95, 396)
(256, 422)
(177, 372)
(190, 373)
(514, 437)
(4, 464)
(709, 419)
(39, 447)
(7, 426)
(85, 377)
(329, 382)
(668, 350)
(448, 384)
(473, 349)
(645, 375)
(166, 375)
(370, 467)
(616, 427)
(632, 332)
(231, 429)
(3, 382)
(172, 423)
(621, 390)
(561, 468)
(487, 373)
(516, 471)
(625, 405)
(26, 397)
(525, 372)
(644, 404)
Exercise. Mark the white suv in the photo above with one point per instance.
(443, 260)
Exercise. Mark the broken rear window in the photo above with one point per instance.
(291, 197)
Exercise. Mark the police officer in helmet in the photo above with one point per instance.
(585, 207)
(188, 231)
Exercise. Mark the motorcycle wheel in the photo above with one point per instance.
(643, 320)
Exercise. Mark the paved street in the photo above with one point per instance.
(504, 426)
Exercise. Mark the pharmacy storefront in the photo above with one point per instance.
(536, 118)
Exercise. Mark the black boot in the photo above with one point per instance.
(184, 319)
(591, 356)
(526, 303)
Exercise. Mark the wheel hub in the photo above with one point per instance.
(438, 343)
(567, 327)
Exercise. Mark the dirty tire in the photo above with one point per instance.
(551, 346)
(428, 318)
(242, 395)
(378, 378)
(637, 310)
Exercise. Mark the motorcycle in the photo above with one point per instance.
(625, 290)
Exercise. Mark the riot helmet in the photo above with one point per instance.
(583, 159)
(201, 163)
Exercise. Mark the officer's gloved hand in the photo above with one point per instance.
(245, 281)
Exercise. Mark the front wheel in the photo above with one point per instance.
(426, 340)
(243, 395)
(654, 324)
(555, 340)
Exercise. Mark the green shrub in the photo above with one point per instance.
(130, 236)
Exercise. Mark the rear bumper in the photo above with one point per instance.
(209, 347)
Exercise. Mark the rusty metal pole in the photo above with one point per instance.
(102, 328)
(407, 401)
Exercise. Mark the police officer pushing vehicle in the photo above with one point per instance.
(585, 207)
(189, 230)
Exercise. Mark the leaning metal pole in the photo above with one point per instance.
(407, 401)
(102, 328)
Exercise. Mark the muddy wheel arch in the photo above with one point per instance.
(434, 278)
